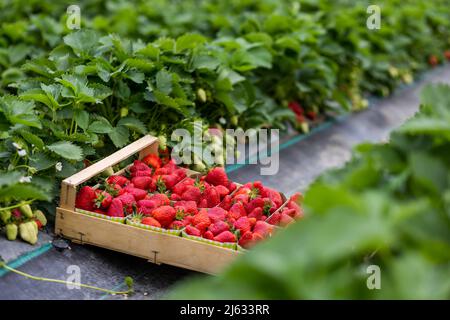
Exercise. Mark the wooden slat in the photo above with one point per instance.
(112, 160)
(153, 246)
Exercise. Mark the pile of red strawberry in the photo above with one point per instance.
(159, 194)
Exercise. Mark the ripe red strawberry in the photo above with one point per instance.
(289, 212)
(192, 193)
(116, 208)
(193, 231)
(447, 54)
(103, 199)
(165, 215)
(85, 198)
(179, 188)
(201, 216)
(113, 189)
(256, 213)
(146, 211)
(176, 225)
(243, 198)
(139, 166)
(170, 180)
(285, 220)
(203, 203)
(38, 223)
(127, 201)
(225, 236)
(231, 187)
(119, 180)
(263, 228)
(223, 191)
(433, 60)
(208, 235)
(152, 160)
(217, 176)
(275, 196)
(274, 219)
(147, 203)
(218, 227)
(237, 210)
(180, 173)
(202, 226)
(175, 197)
(243, 225)
(226, 203)
(189, 207)
(162, 171)
(212, 197)
(246, 240)
(151, 222)
(160, 199)
(141, 182)
(171, 166)
(141, 173)
(187, 220)
(253, 204)
(217, 214)
(138, 194)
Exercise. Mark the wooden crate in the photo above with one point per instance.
(155, 247)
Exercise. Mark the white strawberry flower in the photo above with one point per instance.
(25, 179)
(58, 166)
(22, 152)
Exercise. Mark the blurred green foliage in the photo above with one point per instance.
(389, 206)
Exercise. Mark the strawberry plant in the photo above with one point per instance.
(388, 207)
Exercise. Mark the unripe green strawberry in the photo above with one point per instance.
(11, 231)
(201, 94)
(26, 211)
(5, 215)
(39, 215)
(162, 142)
(123, 112)
(108, 172)
(28, 232)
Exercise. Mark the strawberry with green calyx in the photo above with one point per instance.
(150, 221)
(160, 185)
(116, 208)
(226, 236)
(113, 189)
(217, 176)
(121, 181)
(193, 231)
(85, 198)
(135, 218)
(179, 214)
(176, 225)
(103, 199)
(153, 161)
(165, 215)
(160, 199)
(190, 207)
